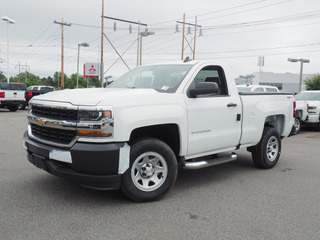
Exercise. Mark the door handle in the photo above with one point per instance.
(232, 105)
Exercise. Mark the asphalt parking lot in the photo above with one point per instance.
(230, 201)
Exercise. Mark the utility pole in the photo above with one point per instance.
(62, 57)
(138, 46)
(184, 38)
(184, 21)
(26, 69)
(102, 32)
(194, 42)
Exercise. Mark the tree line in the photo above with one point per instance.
(312, 83)
(69, 82)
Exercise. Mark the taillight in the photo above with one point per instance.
(294, 108)
(30, 94)
(308, 107)
(2, 95)
(25, 94)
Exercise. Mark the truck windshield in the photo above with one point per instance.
(162, 78)
(308, 96)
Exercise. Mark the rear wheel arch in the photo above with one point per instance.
(276, 121)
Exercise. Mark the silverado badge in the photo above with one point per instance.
(41, 122)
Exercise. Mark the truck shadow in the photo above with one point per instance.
(194, 178)
(61, 190)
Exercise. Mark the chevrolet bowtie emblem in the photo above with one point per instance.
(41, 122)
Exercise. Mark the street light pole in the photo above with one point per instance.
(80, 45)
(247, 77)
(301, 60)
(11, 21)
(143, 34)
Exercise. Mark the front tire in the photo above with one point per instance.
(267, 153)
(153, 170)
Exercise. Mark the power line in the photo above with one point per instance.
(248, 10)
(257, 30)
(221, 10)
(295, 17)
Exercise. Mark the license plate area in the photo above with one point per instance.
(39, 162)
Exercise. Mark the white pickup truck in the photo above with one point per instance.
(302, 108)
(12, 95)
(134, 134)
(311, 101)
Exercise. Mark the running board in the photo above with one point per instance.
(210, 162)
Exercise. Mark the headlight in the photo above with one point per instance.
(95, 122)
(89, 115)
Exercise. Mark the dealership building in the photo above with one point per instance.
(288, 82)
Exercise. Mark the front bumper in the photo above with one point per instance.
(91, 165)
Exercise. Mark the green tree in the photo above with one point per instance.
(69, 83)
(57, 79)
(313, 82)
(3, 78)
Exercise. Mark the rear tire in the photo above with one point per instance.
(296, 126)
(13, 108)
(21, 106)
(153, 170)
(267, 153)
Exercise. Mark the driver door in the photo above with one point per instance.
(213, 119)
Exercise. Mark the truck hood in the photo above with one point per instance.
(99, 96)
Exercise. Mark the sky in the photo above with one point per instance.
(236, 32)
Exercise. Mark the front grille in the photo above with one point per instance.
(53, 134)
(55, 113)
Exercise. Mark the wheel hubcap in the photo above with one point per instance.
(149, 171)
(297, 125)
(272, 148)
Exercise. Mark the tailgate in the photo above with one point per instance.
(14, 95)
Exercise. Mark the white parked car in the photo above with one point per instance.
(312, 98)
(257, 88)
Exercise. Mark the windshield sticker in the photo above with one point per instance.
(165, 88)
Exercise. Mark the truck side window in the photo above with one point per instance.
(260, 89)
(212, 74)
(271, 90)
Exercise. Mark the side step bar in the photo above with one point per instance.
(210, 162)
